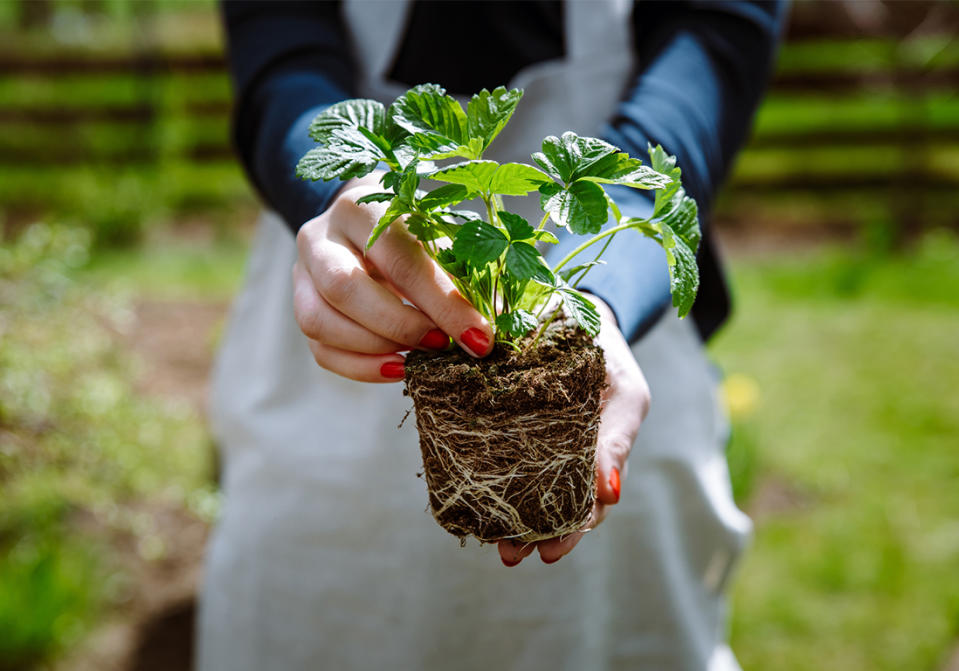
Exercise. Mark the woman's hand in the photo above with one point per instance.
(625, 404)
(350, 306)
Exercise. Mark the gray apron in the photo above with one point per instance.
(326, 555)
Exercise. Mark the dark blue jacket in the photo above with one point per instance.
(705, 66)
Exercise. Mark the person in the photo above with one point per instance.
(324, 556)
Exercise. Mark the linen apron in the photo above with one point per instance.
(326, 555)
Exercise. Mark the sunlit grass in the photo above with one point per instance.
(857, 360)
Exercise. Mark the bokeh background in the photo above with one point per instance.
(125, 223)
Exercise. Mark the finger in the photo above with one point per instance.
(340, 278)
(554, 549)
(319, 321)
(359, 367)
(401, 259)
(512, 553)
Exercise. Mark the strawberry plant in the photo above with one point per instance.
(492, 256)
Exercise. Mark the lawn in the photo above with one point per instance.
(842, 368)
(847, 457)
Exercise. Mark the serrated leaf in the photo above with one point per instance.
(487, 113)
(375, 198)
(583, 312)
(359, 113)
(478, 243)
(406, 185)
(620, 168)
(683, 219)
(524, 262)
(565, 156)
(581, 207)
(347, 153)
(517, 179)
(683, 270)
(509, 179)
(396, 209)
(517, 323)
(517, 227)
(448, 194)
(454, 266)
(474, 175)
(435, 120)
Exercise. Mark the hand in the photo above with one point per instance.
(625, 404)
(350, 306)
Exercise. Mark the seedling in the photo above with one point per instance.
(494, 261)
(508, 441)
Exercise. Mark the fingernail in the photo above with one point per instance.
(435, 339)
(476, 340)
(614, 483)
(511, 564)
(551, 561)
(393, 369)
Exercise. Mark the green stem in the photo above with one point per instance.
(586, 245)
(597, 258)
(542, 223)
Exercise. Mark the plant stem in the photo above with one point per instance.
(596, 238)
(598, 256)
(542, 223)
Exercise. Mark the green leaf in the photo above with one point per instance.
(583, 312)
(683, 270)
(435, 120)
(347, 153)
(396, 209)
(581, 207)
(671, 204)
(448, 194)
(517, 227)
(474, 175)
(517, 179)
(524, 262)
(545, 236)
(375, 198)
(454, 266)
(359, 113)
(517, 323)
(620, 168)
(509, 179)
(565, 156)
(487, 113)
(478, 243)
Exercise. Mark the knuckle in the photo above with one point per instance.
(403, 271)
(337, 286)
(406, 330)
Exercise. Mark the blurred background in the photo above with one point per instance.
(125, 222)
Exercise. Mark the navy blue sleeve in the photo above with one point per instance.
(288, 61)
(705, 68)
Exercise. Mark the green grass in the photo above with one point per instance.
(857, 362)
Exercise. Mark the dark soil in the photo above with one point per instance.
(509, 441)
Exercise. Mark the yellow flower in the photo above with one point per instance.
(740, 394)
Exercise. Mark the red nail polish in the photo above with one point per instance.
(551, 561)
(435, 339)
(511, 564)
(393, 369)
(614, 483)
(476, 340)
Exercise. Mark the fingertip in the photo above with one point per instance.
(476, 341)
(609, 486)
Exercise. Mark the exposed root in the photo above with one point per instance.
(509, 443)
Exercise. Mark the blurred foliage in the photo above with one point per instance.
(76, 440)
(848, 462)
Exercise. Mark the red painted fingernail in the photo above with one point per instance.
(614, 483)
(393, 369)
(511, 564)
(435, 339)
(476, 340)
(551, 561)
